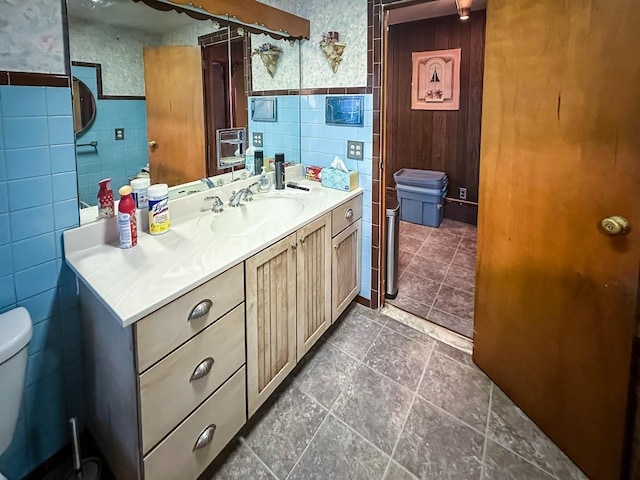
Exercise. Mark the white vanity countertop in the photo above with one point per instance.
(133, 283)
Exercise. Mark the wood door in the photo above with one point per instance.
(175, 113)
(314, 282)
(555, 296)
(271, 319)
(345, 268)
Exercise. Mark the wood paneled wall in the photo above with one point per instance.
(437, 140)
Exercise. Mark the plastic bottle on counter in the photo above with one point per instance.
(264, 184)
(158, 196)
(105, 199)
(139, 187)
(127, 218)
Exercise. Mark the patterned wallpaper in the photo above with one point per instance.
(325, 16)
(31, 36)
(330, 15)
(287, 74)
(188, 35)
(117, 49)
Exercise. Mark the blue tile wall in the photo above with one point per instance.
(115, 159)
(38, 200)
(283, 135)
(320, 143)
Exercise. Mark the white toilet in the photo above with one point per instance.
(15, 333)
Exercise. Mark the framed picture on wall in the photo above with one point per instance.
(435, 80)
(264, 109)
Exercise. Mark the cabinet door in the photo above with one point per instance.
(271, 319)
(314, 282)
(345, 268)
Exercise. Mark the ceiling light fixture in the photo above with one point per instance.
(464, 11)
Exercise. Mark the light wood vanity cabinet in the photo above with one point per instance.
(313, 283)
(166, 394)
(271, 319)
(288, 306)
(345, 268)
(295, 289)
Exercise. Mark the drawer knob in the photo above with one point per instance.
(203, 369)
(205, 437)
(349, 214)
(200, 310)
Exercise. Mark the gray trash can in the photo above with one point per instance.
(421, 195)
(393, 248)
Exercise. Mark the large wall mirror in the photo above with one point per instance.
(165, 84)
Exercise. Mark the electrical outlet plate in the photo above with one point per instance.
(257, 139)
(119, 133)
(355, 150)
(463, 193)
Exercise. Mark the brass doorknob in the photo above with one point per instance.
(153, 144)
(615, 225)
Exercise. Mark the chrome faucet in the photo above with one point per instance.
(243, 194)
(217, 205)
(207, 181)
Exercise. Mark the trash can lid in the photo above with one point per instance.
(420, 178)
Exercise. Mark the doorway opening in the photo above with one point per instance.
(437, 264)
(225, 92)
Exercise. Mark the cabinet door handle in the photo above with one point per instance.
(294, 245)
(200, 310)
(302, 240)
(336, 246)
(203, 369)
(205, 437)
(349, 214)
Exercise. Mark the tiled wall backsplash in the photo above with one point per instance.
(115, 159)
(320, 143)
(283, 135)
(38, 201)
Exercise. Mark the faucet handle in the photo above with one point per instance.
(248, 195)
(217, 206)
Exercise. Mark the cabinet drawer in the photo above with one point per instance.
(171, 389)
(169, 327)
(177, 457)
(345, 215)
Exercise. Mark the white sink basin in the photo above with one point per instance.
(249, 217)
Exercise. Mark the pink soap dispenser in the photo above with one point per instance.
(105, 199)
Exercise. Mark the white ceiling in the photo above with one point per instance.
(129, 14)
(429, 9)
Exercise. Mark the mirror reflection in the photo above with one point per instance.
(84, 107)
(164, 84)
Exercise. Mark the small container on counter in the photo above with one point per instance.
(105, 199)
(279, 167)
(258, 162)
(139, 187)
(158, 196)
(127, 218)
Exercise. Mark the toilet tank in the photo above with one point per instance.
(15, 334)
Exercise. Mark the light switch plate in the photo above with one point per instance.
(119, 133)
(355, 150)
(257, 139)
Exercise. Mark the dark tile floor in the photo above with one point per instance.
(437, 269)
(379, 400)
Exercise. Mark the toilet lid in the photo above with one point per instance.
(15, 333)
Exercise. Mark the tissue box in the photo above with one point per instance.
(339, 179)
